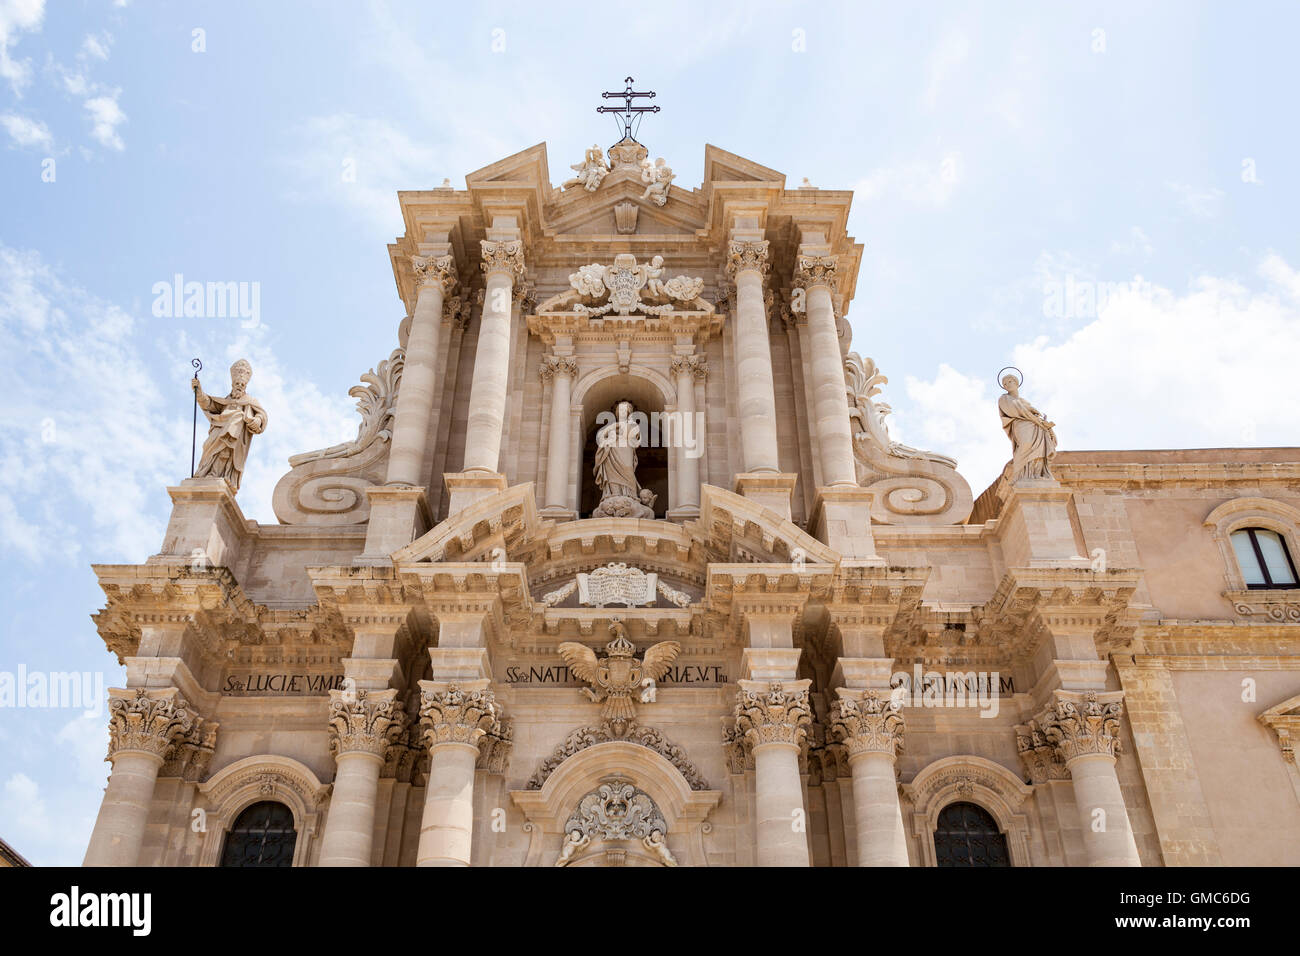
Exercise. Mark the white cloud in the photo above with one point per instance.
(926, 182)
(25, 131)
(1200, 202)
(105, 117)
(17, 16)
(1209, 368)
(96, 47)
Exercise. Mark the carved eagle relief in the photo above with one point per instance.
(615, 677)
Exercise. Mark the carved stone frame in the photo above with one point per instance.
(969, 779)
(685, 810)
(1284, 721)
(1254, 512)
(229, 791)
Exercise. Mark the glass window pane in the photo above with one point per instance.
(1279, 569)
(1246, 559)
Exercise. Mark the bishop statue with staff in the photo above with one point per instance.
(233, 421)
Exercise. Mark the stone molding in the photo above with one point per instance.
(364, 722)
(649, 737)
(255, 779)
(868, 724)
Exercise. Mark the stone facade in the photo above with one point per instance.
(821, 640)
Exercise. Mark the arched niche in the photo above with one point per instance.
(265, 777)
(684, 810)
(598, 391)
(969, 779)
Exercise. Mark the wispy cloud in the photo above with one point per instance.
(24, 131)
(17, 16)
(105, 117)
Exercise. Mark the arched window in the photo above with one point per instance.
(1263, 558)
(967, 835)
(263, 835)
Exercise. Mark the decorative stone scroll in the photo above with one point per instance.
(616, 810)
(616, 583)
(506, 255)
(647, 737)
(912, 486)
(627, 287)
(328, 486)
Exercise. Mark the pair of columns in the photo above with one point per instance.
(454, 717)
(814, 283)
(147, 728)
(771, 720)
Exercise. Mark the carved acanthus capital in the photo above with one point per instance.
(811, 271)
(695, 365)
(192, 752)
(1041, 758)
(768, 713)
(147, 721)
(364, 722)
(870, 724)
(495, 747)
(746, 255)
(437, 271)
(553, 365)
(1079, 725)
(506, 256)
(457, 715)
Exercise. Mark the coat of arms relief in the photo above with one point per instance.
(627, 287)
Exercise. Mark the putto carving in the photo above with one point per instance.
(627, 287)
(591, 171)
(553, 365)
(616, 583)
(437, 271)
(615, 677)
(364, 721)
(1033, 437)
(815, 270)
(768, 713)
(743, 255)
(870, 724)
(507, 255)
(629, 732)
(1081, 725)
(657, 176)
(456, 714)
(147, 721)
(616, 810)
(233, 421)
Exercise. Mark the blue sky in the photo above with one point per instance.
(1001, 153)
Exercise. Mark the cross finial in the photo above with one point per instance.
(627, 115)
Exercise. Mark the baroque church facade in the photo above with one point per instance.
(624, 568)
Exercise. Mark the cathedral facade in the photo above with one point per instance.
(623, 567)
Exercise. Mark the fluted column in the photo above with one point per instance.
(747, 264)
(1084, 728)
(363, 725)
(503, 263)
(771, 718)
(871, 728)
(559, 370)
(453, 718)
(686, 369)
(816, 276)
(143, 727)
(435, 276)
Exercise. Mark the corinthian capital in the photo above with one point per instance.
(191, 752)
(558, 365)
(506, 256)
(768, 713)
(695, 365)
(437, 271)
(1041, 759)
(746, 254)
(364, 722)
(870, 724)
(453, 713)
(815, 270)
(1082, 724)
(147, 721)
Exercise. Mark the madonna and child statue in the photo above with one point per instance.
(621, 495)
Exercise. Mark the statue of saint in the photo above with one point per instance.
(621, 495)
(1033, 440)
(234, 420)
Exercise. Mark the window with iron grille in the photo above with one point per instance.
(263, 835)
(967, 835)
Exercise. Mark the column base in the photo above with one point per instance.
(398, 515)
(773, 490)
(842, 519)
(464, 488)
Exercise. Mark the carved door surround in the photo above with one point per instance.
(684, 811)
(969, 779)
(229, 791)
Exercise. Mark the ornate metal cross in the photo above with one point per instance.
(629, 116)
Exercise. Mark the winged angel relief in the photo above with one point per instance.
(616, 677)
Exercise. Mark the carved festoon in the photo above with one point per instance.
(616, 810)
(629, 732)
(627, 287)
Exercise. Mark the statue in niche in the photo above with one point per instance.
(1033, 437)
(234, 420)
(621, 495)
(591, 171)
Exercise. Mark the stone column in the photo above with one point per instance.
(560, 371)
(453, 717)
(830, 412)
(363, 725)
(143, 726)
(503, 263)
(686, 369)
(435, 277)
(747, 264)
(1084, 728)
(772, 718)
(871, 727)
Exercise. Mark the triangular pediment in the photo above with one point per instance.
(721, 166)
(526, 166)
(575, 211)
